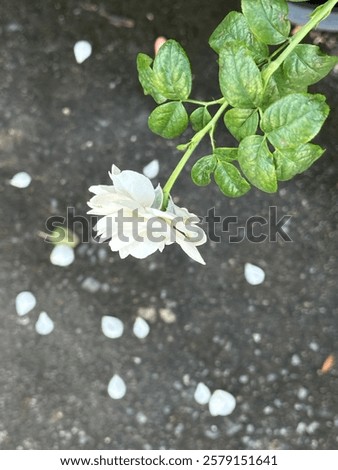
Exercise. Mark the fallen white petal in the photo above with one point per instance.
(62, 255)
(141, 328)
(112, 327)
(202, 394)
(91, 285)
(44, 325)
(152, 169)
(82, 50)
(221, 403)
(24, 303)
(116, 387)
(21, 180)
(254, 274)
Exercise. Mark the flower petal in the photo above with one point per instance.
(140, 250)
(192, 233)
(136, 186)
(189, 248)
(158, 201)
(102, 189)
(114, 171)
(110, 203)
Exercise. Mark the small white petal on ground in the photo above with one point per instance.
(202, 394)
(91, 285)
(254, 275)
(62, 255)
(141, 418)
(296, 360)
(221, 403)
(44, 325)
(148, 313)
(24, 303)
(257, 337)
(82, 50)
(167, 315)
(302, 393)
(141, 328)
(21, 180)
(112, 327)
(116, 387)
(152, 169)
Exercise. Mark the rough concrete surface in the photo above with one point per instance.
(65, 124)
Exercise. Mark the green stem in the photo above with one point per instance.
(320, 14)
(205, 103)
(279, 50)
(193, 144)
(212, 138)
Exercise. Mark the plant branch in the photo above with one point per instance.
(205, 103)
(193, 144)
(318, 15)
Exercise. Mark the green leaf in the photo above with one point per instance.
(172, 72)
(226, 154)
(241, 122)
(290, 162)
(169, 120)
(279, 86)
(257, 163)
(202, 170)
(230, 181)
(235, 28)
(146, 78)
(240, 79)
(268, 19)
(307, 64)
(294, 119)
(200, 118)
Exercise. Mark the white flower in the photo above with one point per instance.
(134, 221)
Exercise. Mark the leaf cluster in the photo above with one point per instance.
(274, 120)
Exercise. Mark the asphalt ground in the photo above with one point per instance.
(65, 124)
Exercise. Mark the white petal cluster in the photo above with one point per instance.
(133, 219)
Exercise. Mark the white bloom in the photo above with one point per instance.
(134, 221)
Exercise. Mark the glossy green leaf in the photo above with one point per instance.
(230, 181)
(257, 163)
(268, 19)
(202, 170)
(200, 118)
(294, 119)
(235, 28)
(307, 64)
(226, 154)
(240, 79)
(172, 72)
(290, 162)
(286, 86)
(146, 78)
(169, 120)
(241, 122)
(280, 86)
